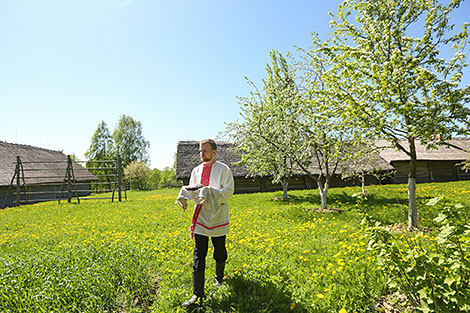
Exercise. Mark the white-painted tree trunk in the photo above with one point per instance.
(412, 208)
(323, 189)
(363, 182)
(285, 184)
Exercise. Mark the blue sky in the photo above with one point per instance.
(175, 66)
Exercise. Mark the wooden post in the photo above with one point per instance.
(118, 168)
(18, 195)
(69, 180)
(115, 181)
(69, 159)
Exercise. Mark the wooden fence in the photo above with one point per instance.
(40, 181)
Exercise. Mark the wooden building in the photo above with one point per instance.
(188, 157)
(433, 165)
(42, 173)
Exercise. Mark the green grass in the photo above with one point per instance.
(136, 256)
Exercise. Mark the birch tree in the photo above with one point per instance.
(102, 145)
(101, 148)
(130, 142)
(393, 77)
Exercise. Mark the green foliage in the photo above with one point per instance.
(266, 137)
(101, 149)
(290, 126)
(387, 73)
(102, 144)
(138, 174)
(466, 164)
(154, 179)
(394, 79)
(130, 142)
(364, 160)
(433, 271)
(168, 178)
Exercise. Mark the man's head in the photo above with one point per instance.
(207, 150)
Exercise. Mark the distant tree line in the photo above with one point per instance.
(127, 141)
(141, 177)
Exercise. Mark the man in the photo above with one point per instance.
(214, 182)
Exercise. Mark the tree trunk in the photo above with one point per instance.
(363, 182)
(412, 208)
(285, 184)
(323, 201)
(323, 188)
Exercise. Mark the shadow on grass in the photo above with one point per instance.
(344, 198)
(387, 207)
(246, 295)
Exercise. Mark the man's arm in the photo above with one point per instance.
(227, 185)
(193, 179)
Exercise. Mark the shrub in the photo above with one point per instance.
(433, 271)
(138, 175)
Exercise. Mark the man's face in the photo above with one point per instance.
(206, 152)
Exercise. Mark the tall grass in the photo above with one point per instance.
(135, 256)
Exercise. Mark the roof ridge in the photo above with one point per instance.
(29, 146)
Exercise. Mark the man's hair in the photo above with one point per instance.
(209, 141)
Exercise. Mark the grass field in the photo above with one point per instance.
(135, 256)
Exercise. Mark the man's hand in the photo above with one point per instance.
(193, 187)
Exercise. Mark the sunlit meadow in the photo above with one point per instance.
(135, 256)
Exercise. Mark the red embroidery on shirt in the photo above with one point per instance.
(205, 180)
(210, 228)
(206, 173)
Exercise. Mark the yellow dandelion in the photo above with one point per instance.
(320, 296)
(343, 311)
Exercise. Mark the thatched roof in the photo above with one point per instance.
(187, 158)
(376, 163)
(54, 164)
(451, 150)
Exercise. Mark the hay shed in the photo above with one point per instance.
(187, 157)
(433, 165)
(43, 172)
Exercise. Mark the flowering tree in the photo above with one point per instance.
(263, 137)
(138, 174)
(290, 127)
(391, 77)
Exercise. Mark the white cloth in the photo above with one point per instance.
(207, 196)
(185, 195)
(213, 220)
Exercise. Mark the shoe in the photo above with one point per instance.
(192, 302)
(198, 290)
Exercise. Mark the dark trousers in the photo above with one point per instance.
(200, 251)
